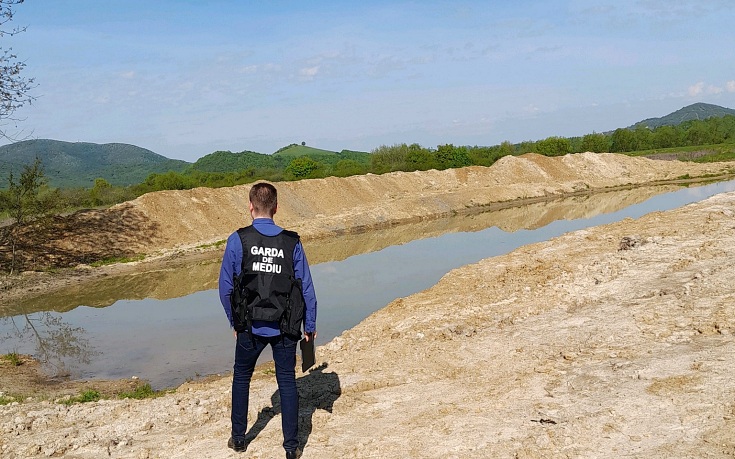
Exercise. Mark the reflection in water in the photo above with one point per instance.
(57, 344)
(173, 282)
(185, 333)
(180, 280)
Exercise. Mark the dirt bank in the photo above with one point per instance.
(166, 226)
(615, 341)
(324, 207)
(174, 277)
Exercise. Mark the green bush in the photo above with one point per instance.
(14, 359)
(142, 392)
(90, 395)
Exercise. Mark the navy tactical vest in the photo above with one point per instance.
(266, 288)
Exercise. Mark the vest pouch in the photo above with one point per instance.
(272, 309)
(294, 315)
(265, 310)
(240, 298)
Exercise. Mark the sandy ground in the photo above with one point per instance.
(615, 341)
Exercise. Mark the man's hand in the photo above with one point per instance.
(310, 336)
(234, 333)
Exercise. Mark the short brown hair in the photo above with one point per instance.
(264, 198)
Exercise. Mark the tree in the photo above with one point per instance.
(699, 133)
(595, 142)
(642, 138)
(170, 181)
(622, 140)
(506, 148)
(348, 167)
(726, 128)
(486, 156)
(302, 167)
(389, 158)
(527, 146)
(25, 203)
(448, 156)
(419, 159)
(99, 192)
(666, 137)
(14, 88)
(554, 146)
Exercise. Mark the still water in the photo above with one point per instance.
(184, 333)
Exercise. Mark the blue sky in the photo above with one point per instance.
(186, 78)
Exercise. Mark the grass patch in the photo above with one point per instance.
(13, 358)
(142, 392)
(212, 244)
(6, 399)
(111, 260)
(90, 395)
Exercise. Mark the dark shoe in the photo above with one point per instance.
(237, 445)
(293, 454)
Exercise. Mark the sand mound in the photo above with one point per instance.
(168, 220)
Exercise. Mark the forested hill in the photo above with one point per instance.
(78, 164)
(226, 161)
(698, 111)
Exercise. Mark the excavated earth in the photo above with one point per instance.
(615, 341)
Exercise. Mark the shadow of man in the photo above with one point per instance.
(317, 390)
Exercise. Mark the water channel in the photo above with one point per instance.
(168, 326)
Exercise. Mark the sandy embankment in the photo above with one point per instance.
(180, 223)
(568, 348)
(179, 220)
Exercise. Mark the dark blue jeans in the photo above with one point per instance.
(284, 356)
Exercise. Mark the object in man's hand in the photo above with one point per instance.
(308, 354)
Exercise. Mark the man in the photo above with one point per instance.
(266, 289)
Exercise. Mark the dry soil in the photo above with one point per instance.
(616, 341)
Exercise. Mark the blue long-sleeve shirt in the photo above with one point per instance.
(232, 265)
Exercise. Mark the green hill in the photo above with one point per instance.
(698, 111)
(294, 151)
(327, 157)
(78, 164)
(226, 161)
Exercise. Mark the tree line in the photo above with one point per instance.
(27, 199)
(224, 169)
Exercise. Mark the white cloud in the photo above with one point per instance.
(248, 70)
(530, 109)
(696, 89)
(309, 72)
(702, 88)
(258, 68)
(128, 75)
